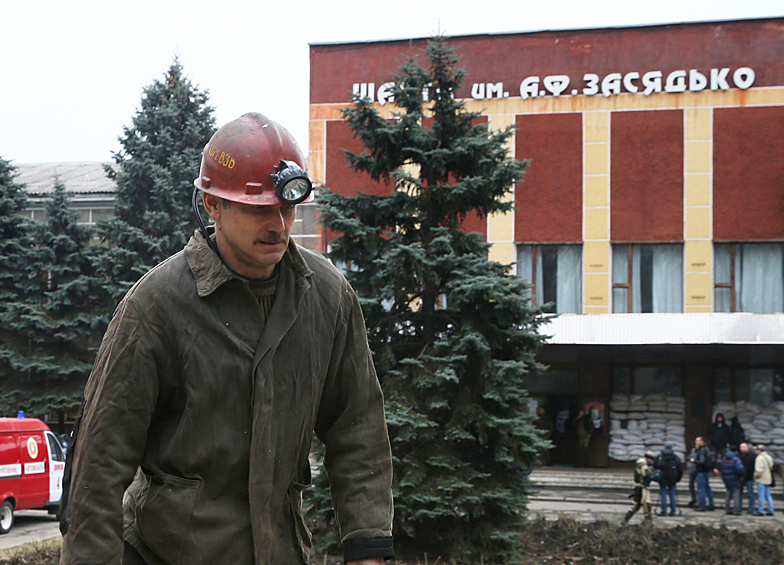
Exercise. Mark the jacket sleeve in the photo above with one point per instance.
(759, 468)
(352, 425)
(120, 398)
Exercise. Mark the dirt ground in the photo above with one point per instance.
(569, 542)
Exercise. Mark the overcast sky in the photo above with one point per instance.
(73, 72)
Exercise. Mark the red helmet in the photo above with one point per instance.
(254, 160)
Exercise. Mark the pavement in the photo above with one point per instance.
(30, 526)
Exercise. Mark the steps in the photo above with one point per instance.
(614, 481)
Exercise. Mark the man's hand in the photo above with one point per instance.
(371, 561)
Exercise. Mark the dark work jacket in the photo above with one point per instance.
(748, 464)
(719, 434)
(732, 470)
(206, 415)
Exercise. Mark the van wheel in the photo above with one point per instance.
(6, 516)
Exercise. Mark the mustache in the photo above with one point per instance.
(270, 240)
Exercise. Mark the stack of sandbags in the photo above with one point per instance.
(762, 424)
(646, 422)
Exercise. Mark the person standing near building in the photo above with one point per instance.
(584, 427)
(691, 469)
(732, 473)
(672, 470)
(216, 369)
(705, 465)
(737, 433)
(763, 477)
(643, 469)
(747, 457)
(719, 436)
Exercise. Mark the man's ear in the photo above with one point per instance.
(212, 204)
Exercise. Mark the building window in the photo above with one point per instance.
(555, 275)
(648, 380)
(759, 385)
(749, 277)
(647, 278)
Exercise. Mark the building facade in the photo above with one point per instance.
(651, 217)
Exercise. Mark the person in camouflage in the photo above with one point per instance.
(642, 493)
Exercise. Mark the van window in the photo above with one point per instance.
(54, 448)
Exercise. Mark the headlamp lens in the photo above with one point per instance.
(292, 183)
(296, 189)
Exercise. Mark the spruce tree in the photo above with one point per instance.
(14, 242)
(15, 260)
(50, 328)
(452, 333)
(154, 171)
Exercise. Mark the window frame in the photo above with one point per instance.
(535, 291)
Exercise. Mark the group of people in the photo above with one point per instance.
(741, 467)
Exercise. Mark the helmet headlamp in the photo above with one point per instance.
(292, 183)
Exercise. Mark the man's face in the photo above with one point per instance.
(252, 239)
(744, 448)
(698, 442)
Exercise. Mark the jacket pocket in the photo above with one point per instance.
(163, 514)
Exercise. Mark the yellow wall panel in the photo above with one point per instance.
(499, 122)
(503, 252)
(597, 127)
(596, 223)
(596, 310)
(698, 223)
(317, 130)
(317, 166)
(698, 156)
(597, 189)
(698, 255)
(596, 256)
(698, 189)
(500, 227)
(327, 111)
(596, 290)
(698, 309)
(698, 123)
(699, 289)
(596, 159)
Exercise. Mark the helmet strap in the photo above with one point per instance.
(213, 245)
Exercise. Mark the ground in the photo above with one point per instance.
(569, 542)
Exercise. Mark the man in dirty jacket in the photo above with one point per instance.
(219, 364)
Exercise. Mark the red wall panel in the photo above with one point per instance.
(550, 199)
(748, 173)
(509, 58)
(646, 178)
(340, 177)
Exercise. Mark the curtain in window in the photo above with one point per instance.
(558, 275)
(657, 278)
(569, 283)
(759, 282)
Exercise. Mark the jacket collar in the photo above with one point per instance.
(210, 272)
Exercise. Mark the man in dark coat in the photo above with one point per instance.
(672, 470)
(748, 457)
(705, 466)
(732, 473)
(719, 436)
(737, 433)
